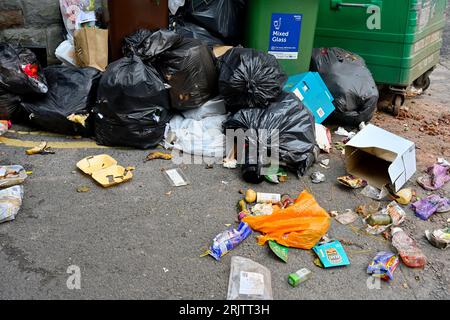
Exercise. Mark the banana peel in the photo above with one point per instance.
(158, 155)
(42, 148)
(78, 118)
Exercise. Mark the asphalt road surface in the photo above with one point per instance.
(143, 239)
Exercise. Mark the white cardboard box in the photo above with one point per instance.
(381, 157)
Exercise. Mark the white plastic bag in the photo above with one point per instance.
(66, 53)
(249, 281)
(214, 107)
(200, 138)
(174, 5)
(10, 203)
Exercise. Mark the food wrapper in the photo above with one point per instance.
(228, 240)
(383, 266)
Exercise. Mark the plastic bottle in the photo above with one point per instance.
(408, 250)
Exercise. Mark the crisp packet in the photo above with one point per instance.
(383, 265)
(228, 240)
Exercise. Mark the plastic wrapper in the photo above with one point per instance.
(133, 107)
(300, 225)
(437, 176)
(224, 18)
(296, 129)
(20, 72)
(249, 78)
(228, 240)
(383, 266)
(427, 206)
(187, 65)
(394, 211)
(10, 203)
(439, 238)
(12, 175)
(72, 92)
(249, 281)
(350, 82)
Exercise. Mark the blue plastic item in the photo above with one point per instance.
(312, 91)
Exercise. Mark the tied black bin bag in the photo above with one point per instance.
(350, 82)
(67, 106)
(295, 125)
(193, 31)
(133, 107)
(187, 65)
(249, 78)
(223, 18)
(20, 72)
(10, 108)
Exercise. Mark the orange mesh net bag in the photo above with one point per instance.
(301, 225)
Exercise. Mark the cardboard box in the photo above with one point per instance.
(312, 91)
(381, 157)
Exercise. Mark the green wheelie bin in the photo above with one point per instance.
(283, 28)
(399, 39)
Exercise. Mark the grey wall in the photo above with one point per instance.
(32, 22)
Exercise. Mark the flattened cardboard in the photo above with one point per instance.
(381, 158)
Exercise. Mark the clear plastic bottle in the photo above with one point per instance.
(408, 250)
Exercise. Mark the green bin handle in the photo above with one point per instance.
(336, 4)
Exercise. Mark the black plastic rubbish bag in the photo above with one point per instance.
(20, 72)
(249, 78)
(193, 31)
(72, 95)
(187, 65)
(224, 18)
(350, 82)
(296, 132)
(133, 107)
(10, 108)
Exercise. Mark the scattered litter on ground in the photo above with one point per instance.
(158, 155)
(325, 163)
(347, 217)
(12, 175)
(104, 170)
(408, 249)
(296, 278)
(383, 266)
(5, 125)
(392, 215)
(276, 175)
(279, 250)
(10, 203)
(437, 176)
(42, 148)
(439, 238)
(404, 196)
(331, 254)
(352, 182)
(318, 177)
(176, 177)
(375, 193)
(83, 189)
(228, 240)
(249, 281)
(262, 197)
(301, 225)
(342, 132)
(427, 206)
(262, 209)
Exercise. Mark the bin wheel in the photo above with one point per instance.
(397, 103)
(423, 82)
